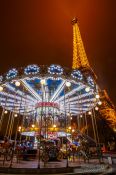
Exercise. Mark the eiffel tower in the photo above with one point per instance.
(80, 61)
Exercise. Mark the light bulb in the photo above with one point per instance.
(43, 81)
(33, 125)
(54, 126)
(1, 88)
(81, 116)
(87, 89)
(89, 113)
(15, 115)
(6, 112)
(17, 83)
(68, 84)
(68, 114)
(19, 127)
(96, 108)
(99, 102)
(97, 96)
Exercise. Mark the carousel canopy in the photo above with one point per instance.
(26, 89)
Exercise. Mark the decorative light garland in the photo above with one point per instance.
(12, 73)
(55, 69)
(31, 69)
(77, 74)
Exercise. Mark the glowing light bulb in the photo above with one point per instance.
(96, 108)
(81, 116)
(71, 118)
(68, 84)
(6, 112)
(69, 127)
(17, 83)
(99, 102)
(73, 130)
(97, 96)
(54, 126)
(15, 115)
(87, 89)
(1, 88)
(89, 112)
(33, 125)
(68, 114)
(19, 127)
(43, 81)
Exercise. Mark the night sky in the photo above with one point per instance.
(40, 32)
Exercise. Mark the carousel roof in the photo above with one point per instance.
(22, 89)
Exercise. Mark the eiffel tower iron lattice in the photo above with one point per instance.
(79, 54)
(80, 61)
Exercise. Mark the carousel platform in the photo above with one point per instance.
(52, 167)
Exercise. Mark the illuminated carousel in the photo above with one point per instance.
(41, 101)
(52, 94)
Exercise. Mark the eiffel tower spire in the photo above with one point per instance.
(79, 55)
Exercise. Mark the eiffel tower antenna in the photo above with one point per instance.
(79, 55)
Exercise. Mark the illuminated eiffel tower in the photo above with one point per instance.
(79, 55)
(80, 61)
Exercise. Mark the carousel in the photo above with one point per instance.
(46, 107)
(44, 100)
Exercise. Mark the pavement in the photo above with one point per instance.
(76, 166)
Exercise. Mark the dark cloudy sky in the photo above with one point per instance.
(40, 31)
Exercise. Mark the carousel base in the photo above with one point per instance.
(74, 167)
